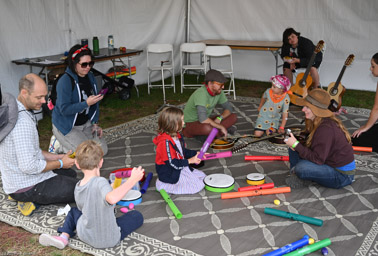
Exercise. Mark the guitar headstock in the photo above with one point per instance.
(349, 60)
(319, 46)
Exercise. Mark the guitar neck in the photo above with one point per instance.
(309, 66)
(339, 78)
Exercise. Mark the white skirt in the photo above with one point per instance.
(188, 183)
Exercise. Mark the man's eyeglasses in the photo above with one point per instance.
(219, 84)
(86, 64)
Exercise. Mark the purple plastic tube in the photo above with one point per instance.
(218, 155)
(207, 143)
(146, 183)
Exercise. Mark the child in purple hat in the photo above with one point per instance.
(274, 101)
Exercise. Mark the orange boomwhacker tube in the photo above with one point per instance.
(362, 149)
(268, 191)
(257, 187)
(266, 158)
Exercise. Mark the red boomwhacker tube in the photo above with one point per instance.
(266, 158)
(256, 187)
(362, 149)
(268, 191)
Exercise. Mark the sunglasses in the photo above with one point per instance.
(86, 64)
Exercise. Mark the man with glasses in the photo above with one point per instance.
(198, 117)
(30, 175)
(76, 112)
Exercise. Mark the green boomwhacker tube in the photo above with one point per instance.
(171, 204)
(293, 216)
(310, 248)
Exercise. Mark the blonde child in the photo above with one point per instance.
(273, 102)
(94, 219)
(172, 161)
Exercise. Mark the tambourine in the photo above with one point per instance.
(133, 196)
(255, 179)
(219, 182)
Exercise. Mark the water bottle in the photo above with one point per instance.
(96, 48)
(110, 42)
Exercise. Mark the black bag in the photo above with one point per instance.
(52, 97)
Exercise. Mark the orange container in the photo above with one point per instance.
(362, 149)
(268, 191)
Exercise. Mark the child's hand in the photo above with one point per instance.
(194, 159)
(281, 131)
(137, 173)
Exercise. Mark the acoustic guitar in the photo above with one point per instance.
(303, 80)
(336, 90)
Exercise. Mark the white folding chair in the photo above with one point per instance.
(220, 58)
(190, 51)
(160, 59)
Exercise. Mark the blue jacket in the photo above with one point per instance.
(68, 103)
(169, 162)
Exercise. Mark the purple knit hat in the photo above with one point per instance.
(281, 82)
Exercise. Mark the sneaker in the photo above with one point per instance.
(56, 241)
(294, 182)
(26, 208)
(54, 145)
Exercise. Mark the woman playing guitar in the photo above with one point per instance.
(296, 52)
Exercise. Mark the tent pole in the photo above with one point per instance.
(187, 39)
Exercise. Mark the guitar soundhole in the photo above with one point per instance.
(334, 92)
(302, 83)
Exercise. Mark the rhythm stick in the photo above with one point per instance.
(123, 174)
(268, 191)
(256, 187)
(289, 247)
(362, 149)
(117, 182)
(266, 158)
(171, 204)
(293, 216)
(208, 141)
(218, 155)
(310, 248)
(146, 183)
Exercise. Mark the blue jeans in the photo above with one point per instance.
(322, 174)
(128, 222)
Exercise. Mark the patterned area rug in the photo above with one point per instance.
(212, 226)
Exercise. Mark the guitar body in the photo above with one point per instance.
(300, 87)
(336, 94)
(336, 90)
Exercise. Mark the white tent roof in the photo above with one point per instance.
(32, 28)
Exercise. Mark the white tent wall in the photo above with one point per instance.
(32, 28)
(346, 26)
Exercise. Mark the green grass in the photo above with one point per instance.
(115, 111)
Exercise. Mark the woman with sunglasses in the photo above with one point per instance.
(76, 112)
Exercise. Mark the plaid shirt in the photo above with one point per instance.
(21, 159)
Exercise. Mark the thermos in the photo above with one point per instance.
(95, 42)
(110, 42)
(84, 42)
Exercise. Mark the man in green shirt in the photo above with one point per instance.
(198, 117)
